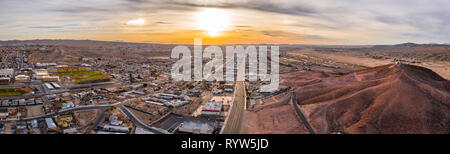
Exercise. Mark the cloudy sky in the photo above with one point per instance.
(229, 21)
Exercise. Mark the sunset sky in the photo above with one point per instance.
(229, 21)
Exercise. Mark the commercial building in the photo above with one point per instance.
(22, 78)
(42, 74)
(50, 79)
(169, 100)
(229, 87)
(6, 75)
(34, 123)
(50, 123)
(3, 114)
(104, 132)
(56, 85)
(116, 129)
(196, 127)
(212, 108)
(45, 64)
(67, 105)
(70, 131)
(140, 130)
(114, 120)
(226, 101)
(49, 86)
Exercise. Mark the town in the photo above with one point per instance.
(114, 95)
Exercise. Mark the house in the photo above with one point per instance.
(114, 120)
(195, 93)
(34, 123)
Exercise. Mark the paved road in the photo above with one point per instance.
(128, 113)
(99, 120)
(233, 122)
(64, 112)
(138, 122)
(301, 115)
(96, 85)
(21, 60)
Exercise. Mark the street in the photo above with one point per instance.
(233, 122)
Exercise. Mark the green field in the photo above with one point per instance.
(85, 77)
(12, 92)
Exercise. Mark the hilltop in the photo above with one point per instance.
(384, 99)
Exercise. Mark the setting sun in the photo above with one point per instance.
(213, 21)
(136, 22)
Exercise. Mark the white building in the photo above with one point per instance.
(104, 132)
(34, 123)
(45, 64)
(22, 78)
(56, 85)
(50, 123)
(196, 127)
(140, 130)
(6, 75)
(70, 131)
(116, 129)
(68, 105)
(42, 74)
(212, 108)
(114, 120)
(49, 86)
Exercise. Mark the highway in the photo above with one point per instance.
(233, 122)
(300, 115)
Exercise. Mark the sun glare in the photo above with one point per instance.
(136, 22)
(213, 21)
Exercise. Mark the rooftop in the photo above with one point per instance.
(7, 71)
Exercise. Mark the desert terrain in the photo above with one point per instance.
(340, 89)
(360, 90)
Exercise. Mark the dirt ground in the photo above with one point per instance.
(7, 128)
(86, 117)
(145, 118)
(276, 116)
(273, 121)
(36, 110)
(442, 68)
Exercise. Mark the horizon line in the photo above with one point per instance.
(221, 44)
